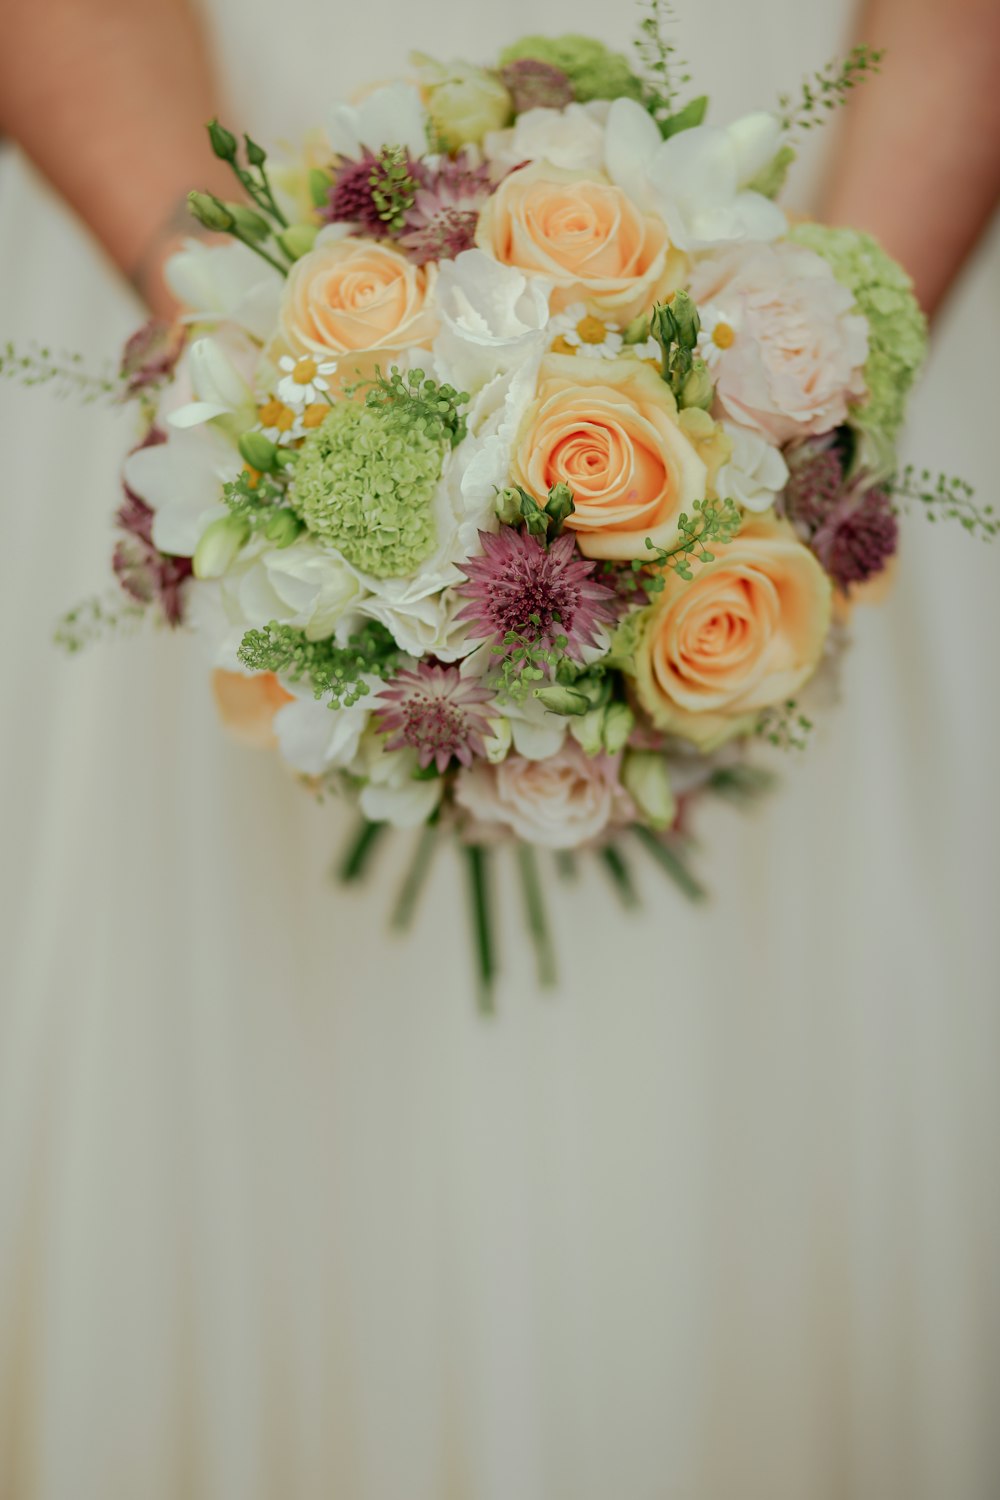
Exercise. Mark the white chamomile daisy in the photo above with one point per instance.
(575, 330)
(280, 422)
(305, 380)
(719, 328)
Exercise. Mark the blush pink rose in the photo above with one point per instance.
(561, 802)
(797, 355)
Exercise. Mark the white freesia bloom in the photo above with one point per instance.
(696, 180)
(754, 474)
(493, 317)
(572, 138)
(315, 738)
(389, 116)
(393, 793)
(225, 282)
(219, 388)
(182, 480)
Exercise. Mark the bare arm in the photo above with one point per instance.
(918, 164)
(110, 98)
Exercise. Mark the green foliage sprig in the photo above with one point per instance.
(65, 373)
(784, 726)
(435, 409)
(741, 784)
(333, 672)
(945, 497)
(96, 618)
(666, 72)
(526, 661)
(712, 522)
(261, 505)
(394, 188)
(828, 89)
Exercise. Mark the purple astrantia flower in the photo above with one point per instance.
(849, 523)
(351, 199)
(536, 85)
(437, 712)
(442, 222)
(151, 354)
(539, 592)
(144, 572)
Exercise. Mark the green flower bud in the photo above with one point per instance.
(698, 389)
(684, 321)
(320, 183)
(211, 212)
(248, 224)
(647, 781)
(223, 141)
(508, 507)
(297, 240)
(619, 721)
(283, 528)
(256, 155)
(219, 545)
(636, 332)
(463, 101)
(499, 741)
(559, 506)
(258, 451)
(588, 731)
(563, 700)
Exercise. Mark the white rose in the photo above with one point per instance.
(572, 137)
(755, 473)
(393, 793)
(561, 802)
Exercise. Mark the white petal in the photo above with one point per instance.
(390, 116)
(756, 139)
(631, 142)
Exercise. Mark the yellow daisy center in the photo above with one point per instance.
(275, 413)
(723, 336)
(562, 346)
(591, 331)
(253, 476)
(305, 370)
(314, 414)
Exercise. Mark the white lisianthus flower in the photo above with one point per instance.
(313, 737)
(493, 317)
(394, 793)
(572, 138)
(182, 481)
(225, 283)
(696, 181)
(754, 474)
(389, 116)
(219, 388)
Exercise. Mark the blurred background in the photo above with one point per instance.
(279, 1214)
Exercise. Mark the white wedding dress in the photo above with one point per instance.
(282, 1218)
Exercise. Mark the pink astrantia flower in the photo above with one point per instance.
(436, 712)
(351, 199)
(442, 221)
(145, 573)
(520, 585)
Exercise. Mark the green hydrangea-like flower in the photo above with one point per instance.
(897, 329)
(365, 483)
(594, 71)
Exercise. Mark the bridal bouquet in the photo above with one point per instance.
(516, 458)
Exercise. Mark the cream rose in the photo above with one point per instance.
(351, 296)
(585, 236)
(561, 802)
(797, 355)
(745, 633)
(611, 431)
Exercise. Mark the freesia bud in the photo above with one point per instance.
(698, 389)
(220, 543)
(563, 700)
(647, 781)
(619, 721)
(588, 731)
(258, 451)
(211, 212)
(249, 224)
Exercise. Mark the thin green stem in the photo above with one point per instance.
(259, 250)
(482, 925)
(416, 876)
(620, 876)
(669, 860)
(359, 850)
(534, 906)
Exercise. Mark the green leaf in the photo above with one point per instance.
(687, 118)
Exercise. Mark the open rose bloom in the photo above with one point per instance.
(512, 461)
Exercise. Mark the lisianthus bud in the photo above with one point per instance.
(223, 141)
(588, 731)
(619, 721)
(463, 101)
(559, 505)
(499, 741)
(283, 528)
(508, 507)
(698, 389)
(249, 224)
(211, 212)
(647, 782)
(298, 240)
(258, 451)
(563, 700)
(219, 545)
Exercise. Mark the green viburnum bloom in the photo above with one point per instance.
(593, 70)
(365, 483)
(897, 330)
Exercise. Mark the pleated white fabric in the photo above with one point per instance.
(281, 1217)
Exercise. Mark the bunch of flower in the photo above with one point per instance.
(512, 455)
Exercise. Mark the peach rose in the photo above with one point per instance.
(247, 705)
(798, 348)
(745, 633)
(560, 802)
(354, 296)
(611, 431)
(584, 235)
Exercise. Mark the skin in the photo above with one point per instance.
(926, 133)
